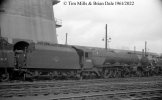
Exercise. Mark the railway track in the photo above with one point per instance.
(19, 84)
(84, 90)
(118, 95)
(136, 94)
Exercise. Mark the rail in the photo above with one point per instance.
(58, 90)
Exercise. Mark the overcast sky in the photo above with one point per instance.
(128, 25)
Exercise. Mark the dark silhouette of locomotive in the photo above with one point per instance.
(27, 60)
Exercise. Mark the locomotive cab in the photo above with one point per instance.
(85, 57)
(87, 62)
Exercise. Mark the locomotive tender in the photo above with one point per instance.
(28, 60)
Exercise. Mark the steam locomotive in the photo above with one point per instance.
(25, 60)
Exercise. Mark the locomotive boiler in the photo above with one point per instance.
(114, 64)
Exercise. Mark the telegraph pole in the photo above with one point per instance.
(106, 38)
(66, 39)
(145, 47)
(134, 49)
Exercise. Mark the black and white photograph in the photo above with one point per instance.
(80, 49)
